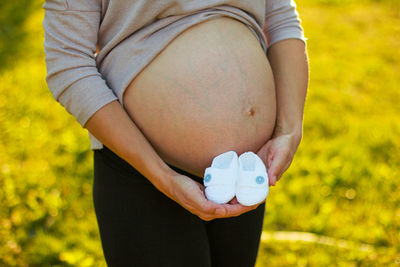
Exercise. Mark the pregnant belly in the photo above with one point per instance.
(209, 91)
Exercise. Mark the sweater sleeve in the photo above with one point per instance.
(70, 29)
(282, 21)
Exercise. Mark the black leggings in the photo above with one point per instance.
(140, 226)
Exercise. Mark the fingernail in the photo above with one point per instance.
(273, 180)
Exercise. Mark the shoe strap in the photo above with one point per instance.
(252, 178)
(217, 176)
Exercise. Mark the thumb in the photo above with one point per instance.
(279, 161)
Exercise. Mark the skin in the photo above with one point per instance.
(289, 62)
(114, 127)
(211, 90)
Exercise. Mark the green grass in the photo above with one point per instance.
(342, 189)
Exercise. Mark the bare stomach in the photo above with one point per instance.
(209, 91)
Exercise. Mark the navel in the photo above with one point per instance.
(250, 112)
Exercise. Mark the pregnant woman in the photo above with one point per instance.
(163, 87)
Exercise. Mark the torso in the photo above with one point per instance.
(209, 91)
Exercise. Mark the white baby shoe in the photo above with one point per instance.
(252, 184)
(220, 178)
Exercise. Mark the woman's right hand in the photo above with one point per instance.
(190, 195)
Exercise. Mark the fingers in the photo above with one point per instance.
(264, 152)
(229, 210)
(279, 162)
(211, 210)
(234, 201)
(190, 195)
(238, 209)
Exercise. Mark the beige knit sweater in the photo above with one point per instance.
(129, 34)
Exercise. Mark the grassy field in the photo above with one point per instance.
(337, 205)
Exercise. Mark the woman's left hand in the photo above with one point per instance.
(277, 154)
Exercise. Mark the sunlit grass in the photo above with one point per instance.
(343, 186)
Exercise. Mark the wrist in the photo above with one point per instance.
(165, 180)
(293, 132)
(285, 128)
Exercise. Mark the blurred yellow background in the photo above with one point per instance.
(338, 204)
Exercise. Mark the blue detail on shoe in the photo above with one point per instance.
(207, 178)
(260, 180)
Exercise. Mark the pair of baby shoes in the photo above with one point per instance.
(244, 176)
